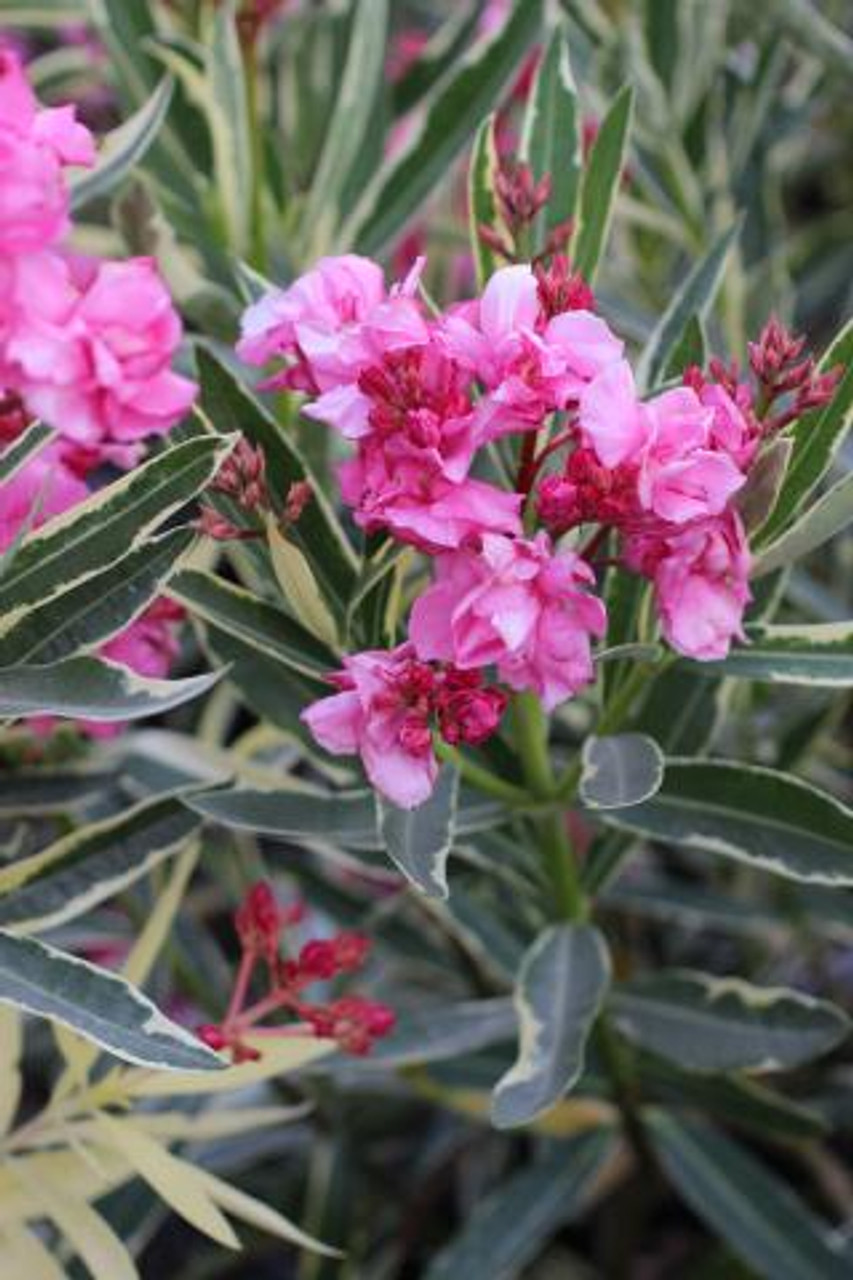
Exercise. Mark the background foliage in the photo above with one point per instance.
(708, 1124)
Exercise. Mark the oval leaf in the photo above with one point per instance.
(758, 816)
(419, 840)
(723, 1024)
(98, 1005)
(620, 770)
(563, 980)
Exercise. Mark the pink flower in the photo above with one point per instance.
(412, 419)
(421, 506)
(517, 604)
(35, 146)
(42, 488)
(701, 582)
(530, 364)
(331, 323)
(681, 477)
(681, 474)
(382, 714)
(89, 347)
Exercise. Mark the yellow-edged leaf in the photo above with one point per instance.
(299, 586)
(91, 1238)
(278, 1058)
(260, 1215)
(25, 1257)
(176, 1181)
(10, 1074)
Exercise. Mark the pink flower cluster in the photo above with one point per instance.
(422, 399)
(85, 344)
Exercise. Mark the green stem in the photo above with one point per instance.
(531, 728)
(482, 779)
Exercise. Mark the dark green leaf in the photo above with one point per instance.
(419, 840)
(600, 184)
(563, 979)
(93, 689)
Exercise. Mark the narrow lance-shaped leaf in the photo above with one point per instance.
(234, 609)
(95, 532)
(516, 1221)
(563, 980)
(817, 437)
(122, 149)
(455, 107)
(693, 299)
(349, 123)
(723, 1024)
(758, 816)
(620, 770)
(85, 688)
(95, 609)
(818, 656)
(743, 1202)
(435, 58)
(29, 443)
(550, 141)
(482, 205)
(96, 1004)
(829, 515)
(92, 864)
(600, 185)
(419, 840)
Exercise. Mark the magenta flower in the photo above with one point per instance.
(517, 604)
(382, 713)
(530, 364)
(45, 486)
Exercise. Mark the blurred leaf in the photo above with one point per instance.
(279, 1056)
(451, 114)
(436, 57)
(600, 183)
(757, 816)
(817, 437)
(691, 349)
(122, 149)
(619, 770)
(515, 1222)
(91, 864)
(745, 1204)
(689, 304)
(96, 609)
(419, 840)
(111, 521)
(562, 982)
(11, 1044)
(434, 1033)
(764, 483)
(90, 1235)
(550, 141)
(807, 25)
(93, 689)
(97, 1005)
(177, 1182)
(348, 126)
(723, 1024)
(18, 453)
(482, 206)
